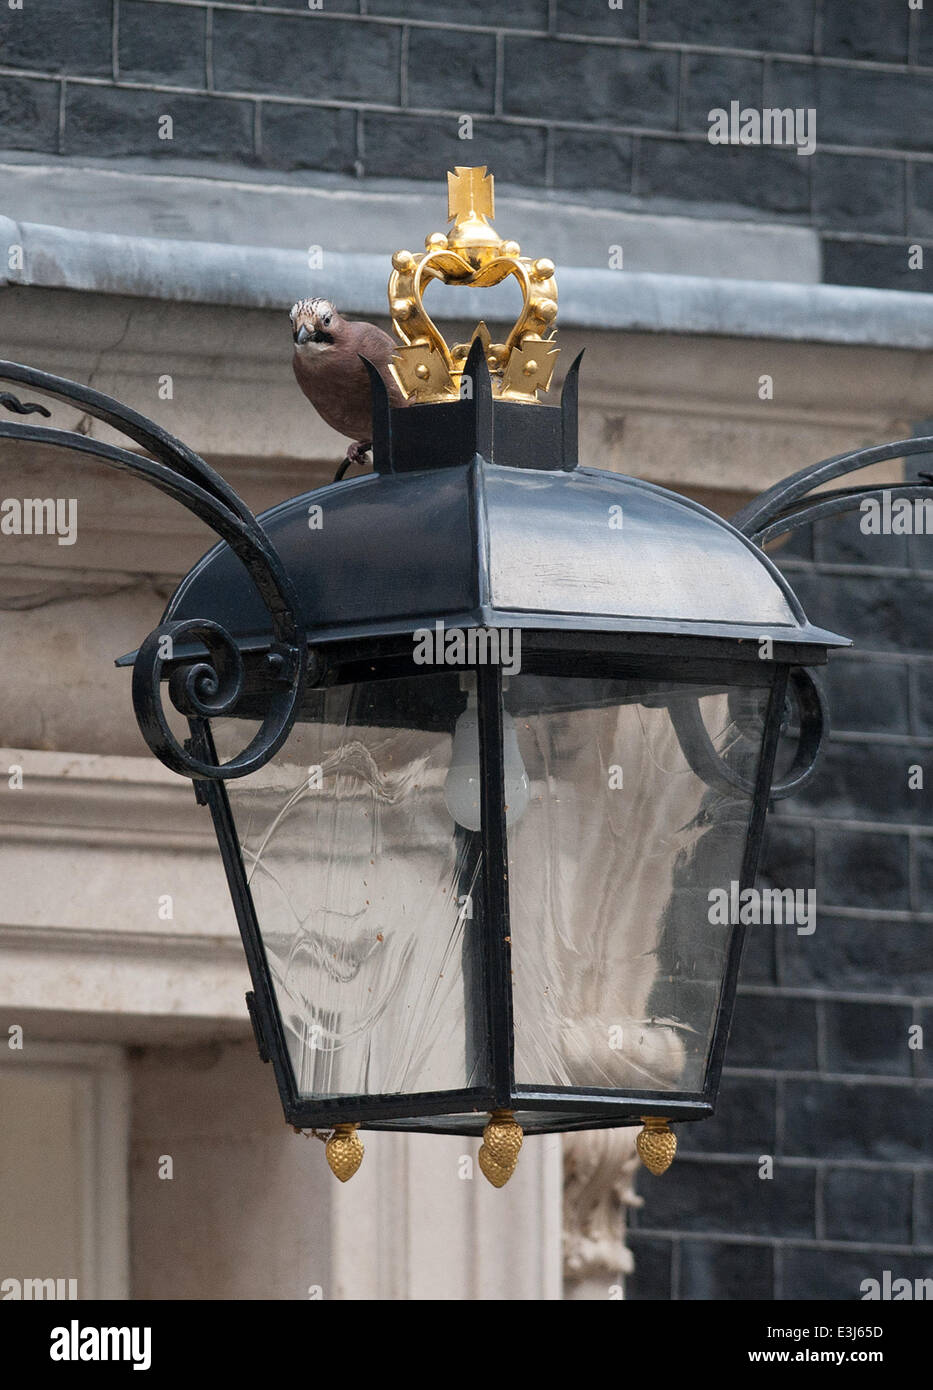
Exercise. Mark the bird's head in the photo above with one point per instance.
(316, 326)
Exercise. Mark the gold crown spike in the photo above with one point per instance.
(344, 1151)
(656, 1144)
(472, 253)
(502, 1141)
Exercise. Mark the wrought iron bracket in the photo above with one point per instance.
(789, 505)
(706, 761)
(210, 686)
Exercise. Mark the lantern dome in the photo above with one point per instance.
(477, 514)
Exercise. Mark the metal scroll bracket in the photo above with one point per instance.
(209, 686)
(806, 690)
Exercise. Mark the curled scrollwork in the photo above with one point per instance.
(11, 402)
(706, 761)
(199, 687)
(208, 689)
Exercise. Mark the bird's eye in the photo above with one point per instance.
(326, 320)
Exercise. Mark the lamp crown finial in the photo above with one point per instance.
(470, 193)
(472, 253)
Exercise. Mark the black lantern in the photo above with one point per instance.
(482, 733)
(539, 726)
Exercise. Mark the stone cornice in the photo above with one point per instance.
(86, 798)
(256, 277)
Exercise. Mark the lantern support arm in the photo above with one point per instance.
(768, 514)
(826, 504)
(788, 506)
(207, 688)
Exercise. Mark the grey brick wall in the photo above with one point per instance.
(820, 1073)
(564, 94)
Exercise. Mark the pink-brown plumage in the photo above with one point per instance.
(328, 369)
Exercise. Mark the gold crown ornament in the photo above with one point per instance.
(471, 253)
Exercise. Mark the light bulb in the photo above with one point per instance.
(462, 788)
(517, 786)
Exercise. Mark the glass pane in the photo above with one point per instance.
(366, 890)
(617, 969)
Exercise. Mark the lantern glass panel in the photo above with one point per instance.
(617, 967)
(366, 892)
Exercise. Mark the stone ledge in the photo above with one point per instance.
(93, 848)
(610, 301)
(146, 197)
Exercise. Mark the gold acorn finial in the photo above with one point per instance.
(502, 1141)
(344, 1151)
(471, 252)
(656, 1144)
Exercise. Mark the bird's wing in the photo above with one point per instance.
(373, 343)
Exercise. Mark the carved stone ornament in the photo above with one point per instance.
(599, 1172)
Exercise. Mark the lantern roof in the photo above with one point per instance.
(477, 514)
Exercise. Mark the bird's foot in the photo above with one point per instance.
(356, 454)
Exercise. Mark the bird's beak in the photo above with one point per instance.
(302, 336)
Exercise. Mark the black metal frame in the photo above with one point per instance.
(272, 675)
(789, 505)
